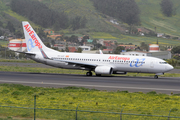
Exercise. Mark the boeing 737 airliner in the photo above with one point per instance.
(100, 64)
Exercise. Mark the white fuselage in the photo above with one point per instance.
(120, 63)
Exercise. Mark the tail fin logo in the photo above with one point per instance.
(30, 44)
(33, 36)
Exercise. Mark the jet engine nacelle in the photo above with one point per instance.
(103, 70)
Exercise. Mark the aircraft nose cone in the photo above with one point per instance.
(170, 67)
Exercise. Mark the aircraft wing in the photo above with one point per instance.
(78, 64)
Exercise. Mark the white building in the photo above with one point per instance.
(1, 37)
(160, 54)
(85, 48)
(160, 34)
(134, 53)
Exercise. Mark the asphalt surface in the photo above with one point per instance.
(122, 83)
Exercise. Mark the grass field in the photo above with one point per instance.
(86, 99)
(4, 43)
(134, 39)
(18, 60)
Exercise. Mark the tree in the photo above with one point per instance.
(1, 33)
(52, 42)
(79, 50)
(55, 48)
(98, 45)
(76, 22)
(19, 34)
(83, 22)
(95, 43)
(84, 39)
(144, 46)
(47, 44)
(119, 49)
(131, 12)
(79, 22)
(74, 39)
(40, 14)
(10, 26)
(21, 55)
(176, 50)
(173, 62)
(67, 49)
(125, 10)
(41, 33)
(103, 47)
(167, 7)
(1, 24)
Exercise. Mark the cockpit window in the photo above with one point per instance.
(163, 62)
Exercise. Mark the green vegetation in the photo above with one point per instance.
(20, 18)
(124, 10)
(83, 8)
(98, 26)
(167, 7)
(69, 98)
(133, 39)
(17, 60)
(151, 17)
(40, 14)
(4, 43)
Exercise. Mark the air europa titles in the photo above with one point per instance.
(33, 36)
(118, 58)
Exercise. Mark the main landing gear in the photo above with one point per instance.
(89, 73)
(155, 76)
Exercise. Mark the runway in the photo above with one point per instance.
(121, 83)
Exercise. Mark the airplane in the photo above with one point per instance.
(100, 64)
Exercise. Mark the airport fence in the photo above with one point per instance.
(80, 113)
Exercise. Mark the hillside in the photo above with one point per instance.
(99, 27)
(6, 14)
(82, 8)
(151, 17)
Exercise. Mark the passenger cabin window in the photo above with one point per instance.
(163, 62)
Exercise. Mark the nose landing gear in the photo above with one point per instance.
(156, 76)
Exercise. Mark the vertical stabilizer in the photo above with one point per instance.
(33, 42)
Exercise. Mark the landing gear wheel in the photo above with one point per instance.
(89, 74)
(155, 77)
(98, 74)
